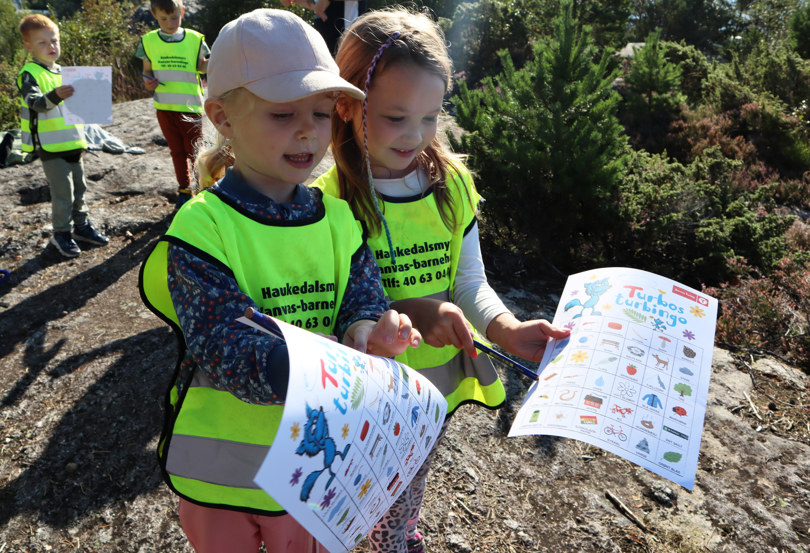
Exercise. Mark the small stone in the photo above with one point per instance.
(71, 467)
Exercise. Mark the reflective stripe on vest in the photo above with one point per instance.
(53, 134)
(426, 265)
(174, 64)
(214, 443)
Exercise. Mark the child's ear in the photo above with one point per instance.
(215, 110)
(343, 106)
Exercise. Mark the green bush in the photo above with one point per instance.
(800, 30)
(653, 81)
(101, 34)
(547, 146)
(780, 72)
(653, 99)
(691, 222)
(12, 56)
(694, 68)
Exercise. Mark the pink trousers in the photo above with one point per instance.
(223, 531)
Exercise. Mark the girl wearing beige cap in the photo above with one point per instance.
(272, 84)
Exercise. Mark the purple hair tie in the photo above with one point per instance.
(371, 68)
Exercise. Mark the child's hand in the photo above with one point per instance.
(320, 8)
(150, 84)
(388, 337)
(64, 91)
(441, 323)
(524, 339)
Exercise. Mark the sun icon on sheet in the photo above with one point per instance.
(364, 488)
(579, 356)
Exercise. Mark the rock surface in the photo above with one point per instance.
(84, 367)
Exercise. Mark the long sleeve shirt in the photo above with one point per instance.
(252, 365)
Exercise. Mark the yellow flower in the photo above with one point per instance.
(295, 430)
(697, 311)
(579, 356)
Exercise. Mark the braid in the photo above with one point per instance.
(371, 68)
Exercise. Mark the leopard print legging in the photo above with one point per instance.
(398, 525)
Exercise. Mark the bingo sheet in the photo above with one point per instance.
(354, 431)
(633, 377)
(92, 97)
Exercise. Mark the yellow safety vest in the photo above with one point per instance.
(174, 64)
(213, 443)
(426, 257)
(52, 132)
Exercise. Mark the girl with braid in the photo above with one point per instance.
(419, 205)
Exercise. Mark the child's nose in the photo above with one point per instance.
(413, 136)
(308, 130)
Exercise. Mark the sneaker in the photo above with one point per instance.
(65, 244)
(415, 544)
(183, 195)
(86, 233)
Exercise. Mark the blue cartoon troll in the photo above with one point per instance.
(316, 439)
(594, 290)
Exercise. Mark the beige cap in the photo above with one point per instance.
(277, 56)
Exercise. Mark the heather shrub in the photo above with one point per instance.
(768, 313)
(780, 138)
(702, 129)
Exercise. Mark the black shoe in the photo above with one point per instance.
(65, 244)
(86, 233)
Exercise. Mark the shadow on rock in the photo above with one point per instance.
(101, 451)
(26, 321)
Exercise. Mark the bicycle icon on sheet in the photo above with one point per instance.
(612, 431)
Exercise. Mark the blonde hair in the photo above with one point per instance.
(35, 22)
(214, 152)
(374, 42)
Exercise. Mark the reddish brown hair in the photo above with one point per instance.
(35, 22)
(420, 42)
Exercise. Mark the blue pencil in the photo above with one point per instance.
(151, 78)
(509, 362)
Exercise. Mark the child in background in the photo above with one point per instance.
(255, 230)
(420, 206)
(173, 58)
(59, 146)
